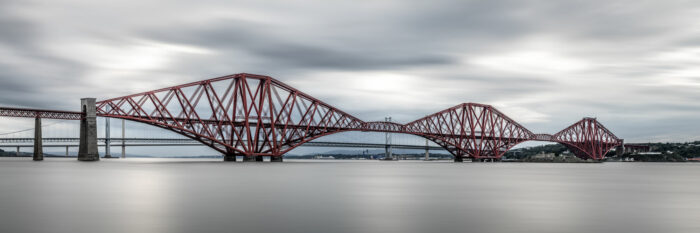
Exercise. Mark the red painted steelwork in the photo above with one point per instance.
(250, 115)
(471, 130)
(238, 114)
(588, 139)
(277, 118)
(50, 114)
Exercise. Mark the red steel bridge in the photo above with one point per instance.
(253, 115)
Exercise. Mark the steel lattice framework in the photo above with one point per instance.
(588, 138)
(471, 130)
(253, 115)
(238, 114)
(51, 114)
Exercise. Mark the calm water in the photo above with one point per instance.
(168, 195)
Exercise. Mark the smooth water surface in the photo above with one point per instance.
(187, 195)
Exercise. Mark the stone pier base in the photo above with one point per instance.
(38, 147)
(485, 160)
(254, 158)
(87, 150)
(230, 157)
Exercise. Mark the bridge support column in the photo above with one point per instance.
(427, 150)
(620, 150)
(123, 142)
(479, 160)
(108, 139)
(38, 147)
(87, 150)
(66, 151)
(459, 157)
(388, 153)
(259, 158)
(276, 158)
(231, 156)
(248, 158)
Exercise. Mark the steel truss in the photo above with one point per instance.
(251, 115)
(588, 139)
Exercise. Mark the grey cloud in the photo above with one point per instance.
(285, 51)
(36, 72)
(15, 32)
(461, 20)
(435, 40)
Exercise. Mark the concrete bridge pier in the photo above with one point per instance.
(87, 150)
(427, 150)
(108, 139)
(123, 142)
(38, 147)
(475, 160)
(231, 156)
(251, 158)
(276, 158)
(459, 157)
(620, 150)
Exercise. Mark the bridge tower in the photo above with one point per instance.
(387, 149)
(123, 141)
(87, 150)
(427, 150)
(108, 139)
(38, 147)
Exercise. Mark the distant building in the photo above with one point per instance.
(543, 156)
(637, 148)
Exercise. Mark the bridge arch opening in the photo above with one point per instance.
(372, 138)
(371, 142)
(222, 147)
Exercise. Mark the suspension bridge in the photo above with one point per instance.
(251, 116)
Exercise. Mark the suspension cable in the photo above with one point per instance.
(29, 129)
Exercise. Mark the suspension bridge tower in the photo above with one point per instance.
(387, 149)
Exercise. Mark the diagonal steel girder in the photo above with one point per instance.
(252, 114)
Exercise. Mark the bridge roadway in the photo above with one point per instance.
(116, 142)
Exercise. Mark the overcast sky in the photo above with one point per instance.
(633, 64)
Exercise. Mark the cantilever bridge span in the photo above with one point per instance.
(253, 115)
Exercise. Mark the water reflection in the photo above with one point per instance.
(166, 195)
